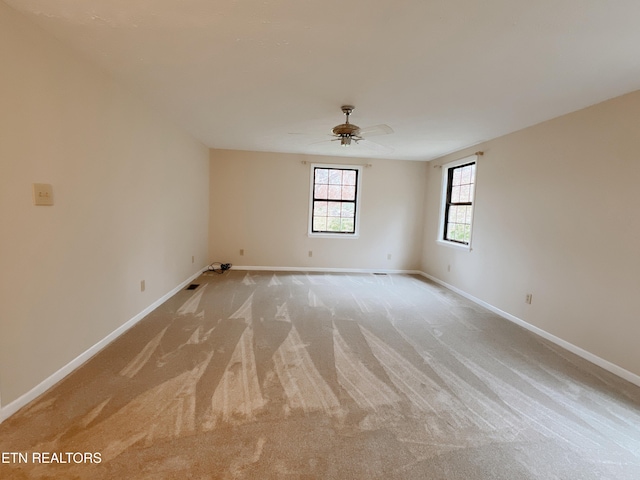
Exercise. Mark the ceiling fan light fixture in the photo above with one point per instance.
(345, 140)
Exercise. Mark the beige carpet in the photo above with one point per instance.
(338, 376)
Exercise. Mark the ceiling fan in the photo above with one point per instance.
(347, 132)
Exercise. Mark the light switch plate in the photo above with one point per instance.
(42, 194)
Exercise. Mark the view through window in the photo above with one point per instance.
(459, 203)
(334, 200)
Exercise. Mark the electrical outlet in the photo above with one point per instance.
(193, 259)
(42, 194)
(388, 256)
(528, 298)
(311, 253)
(448, 268)
(142, 285)
(241, 251)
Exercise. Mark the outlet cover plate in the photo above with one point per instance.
(42, 194)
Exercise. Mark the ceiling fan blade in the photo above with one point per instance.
(323, 141)
(377, 147)
(316, 135)
(375, 130)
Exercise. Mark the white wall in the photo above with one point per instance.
(131, 203)
(557, 215)
(260, 203)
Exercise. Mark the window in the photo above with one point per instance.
(334, 200)
(459, 181)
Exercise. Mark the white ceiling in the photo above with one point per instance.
(271, 75)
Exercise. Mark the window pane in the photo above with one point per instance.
(449, 235)
(320, 191)
(453, 212)
(452, 231)
(319, 224)
(456, 177)
(456, 233)
(465, 191)
(335, 192)
(333, 224)
(347, 225)
(349, 177)
(319, 209)
(455, 195)
(348, 193)
(460, 214)
(335, 177)
(334, 209)
(348, 210)
(321, 175)
(466, 174)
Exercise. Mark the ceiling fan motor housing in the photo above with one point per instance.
(346, 130)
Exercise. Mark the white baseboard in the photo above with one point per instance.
(322, 269)
(601, 362)
(42, 387)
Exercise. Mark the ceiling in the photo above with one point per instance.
(271, 75)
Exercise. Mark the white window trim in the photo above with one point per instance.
(443, 202)
(356, 233)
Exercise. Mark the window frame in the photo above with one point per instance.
(447, 176)
(356, 201)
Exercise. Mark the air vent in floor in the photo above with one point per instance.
(193, 286)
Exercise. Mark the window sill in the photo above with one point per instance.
(457, 246)
(333, 235)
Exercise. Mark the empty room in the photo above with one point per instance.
(319, 240)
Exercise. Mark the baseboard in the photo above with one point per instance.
(325, 270)
(42, 387)
(601, 362)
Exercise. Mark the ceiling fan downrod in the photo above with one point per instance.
(347, 109)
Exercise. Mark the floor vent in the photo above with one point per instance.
(376, 273)
(193, 286)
